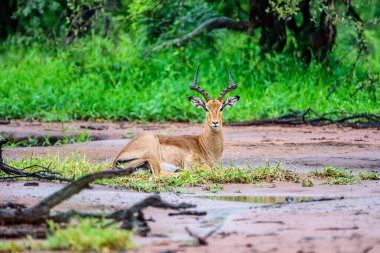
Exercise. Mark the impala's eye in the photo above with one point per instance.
(206, 109)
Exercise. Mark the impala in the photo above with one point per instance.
(165, 154)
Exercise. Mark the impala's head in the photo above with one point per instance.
(213, 108)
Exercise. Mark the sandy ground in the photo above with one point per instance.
(348, 224)
(300, 148)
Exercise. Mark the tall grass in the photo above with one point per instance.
(96, 79)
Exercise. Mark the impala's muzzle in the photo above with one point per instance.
(214, 124)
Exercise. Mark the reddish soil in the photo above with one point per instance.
(351, 224)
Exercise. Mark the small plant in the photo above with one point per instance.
(371, 175)
(13, 246)
(213, 188)
(87, 235)
(329, 172)
(306, 182)
(341, 181)
(237, 191)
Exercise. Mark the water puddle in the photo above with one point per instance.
(260, 199)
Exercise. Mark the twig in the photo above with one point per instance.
(202, 240)
(311, 117)
(363, 49)
(196, 213)
(211, 24)
(348, 74)
(43, 173)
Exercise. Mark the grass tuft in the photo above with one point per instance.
(306, 182)
(77, 166)
(87, 235)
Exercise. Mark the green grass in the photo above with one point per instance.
(77, 137)
(97, 80)
(306, 182)
(77, 166)
(87, 235)
(211, 180)
(340, 176)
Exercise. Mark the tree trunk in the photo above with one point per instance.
(311, 38)
(8, 25)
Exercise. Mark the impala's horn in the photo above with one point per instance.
(194, 86)
(230, 87)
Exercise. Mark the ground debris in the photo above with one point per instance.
(94, 127)
(311, 117)
(34, 171)
(196, 213)
(132, 218)
(338, 228)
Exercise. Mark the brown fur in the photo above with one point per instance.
(180, 151)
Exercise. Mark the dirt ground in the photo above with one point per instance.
(349, 223)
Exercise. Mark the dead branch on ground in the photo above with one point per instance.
(202, 240)
(34, 171)
(311, 117)
(131, 218)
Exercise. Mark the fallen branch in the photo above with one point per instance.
(202, 240)
(41, 172)
(131, 218)
(212, 24)
(196, 213)
(41, 211)
(311, 117)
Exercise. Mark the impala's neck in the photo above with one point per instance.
(212, 141)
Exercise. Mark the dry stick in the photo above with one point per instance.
(76, 186)
(196, 213)
(39, 212)
(120, 215)
(202, 240)
(43, 173)
(211, 24)
(298, 118)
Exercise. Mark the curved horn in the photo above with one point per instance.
(195, 87)
(230, 87)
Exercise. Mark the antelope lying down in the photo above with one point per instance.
(164, 154)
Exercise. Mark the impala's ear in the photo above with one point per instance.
(197, 102)
(229, 102)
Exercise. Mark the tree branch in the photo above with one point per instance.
(40, 211)
(209, 25)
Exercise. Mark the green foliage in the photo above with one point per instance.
(371, 175)
(84, 236)
(94, 79)
(341, 180)
(306, 182)
(213, 188)
(78, 137)
(331, 172)
(155, 21)
(340, 176)
(77, 166)
(87, 235)
(211, 180)
(13, 246)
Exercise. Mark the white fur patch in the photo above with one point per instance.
(167, 167)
